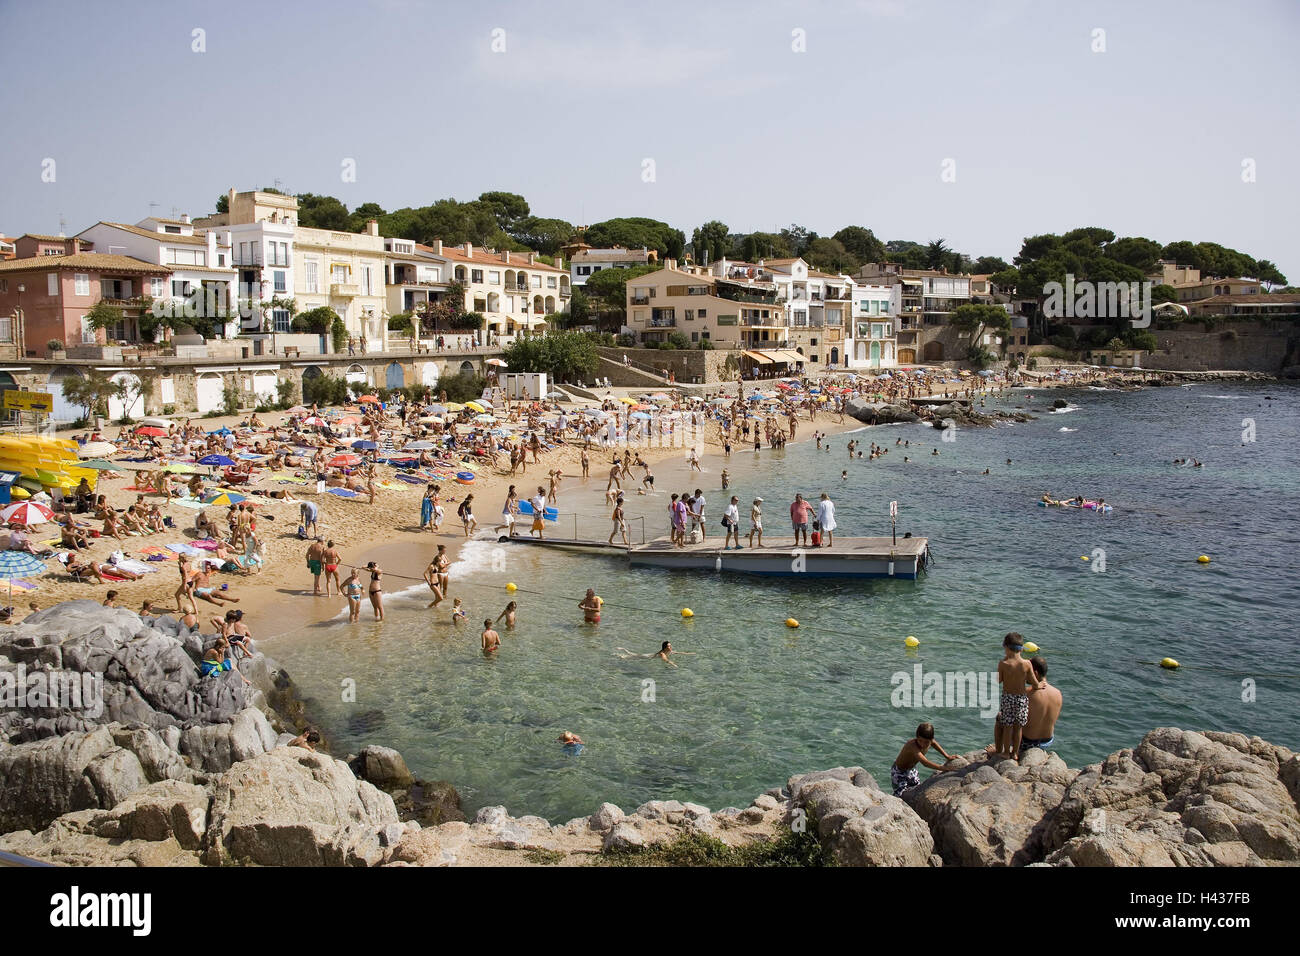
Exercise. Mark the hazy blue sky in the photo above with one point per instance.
(1147, 138)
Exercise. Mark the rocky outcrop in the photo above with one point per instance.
(990, 812)
(880, 413)
(1181, 798)
(861, 824)
(293, 807)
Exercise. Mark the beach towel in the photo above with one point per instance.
(341, 492)
(181, 547)
(207, 544)
(135, 567)
(410, 479)
(155, 553)
(140, 488)
(194, 503)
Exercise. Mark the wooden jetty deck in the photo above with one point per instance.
(848, 557)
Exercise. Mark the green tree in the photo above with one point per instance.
(760, 245)
(635, 232)
(710, 242)
(974, 320)
(223, 203)
(467, 321)
(507, 208)
(542, 235)
(1163, 293)
(103, 315)
(579, 308)
(363, 214)
(988, 265)
(319, 320)
(90, 391)
(797, 238)
(565, 356)
(937, 254)
(861, 243)
(829, 255)
(322, 212)
(139, 384)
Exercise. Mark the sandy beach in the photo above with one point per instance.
(279, 598)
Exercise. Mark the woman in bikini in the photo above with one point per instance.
(352, 591)
(376, 589)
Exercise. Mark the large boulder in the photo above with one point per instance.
(144, 673)
(382, 766)
(986, 812)
(861, 824)
(42, 780)
(1181, 798)
(294, 807)
(217, 747)
(879, 413)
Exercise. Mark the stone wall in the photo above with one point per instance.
(1250, 347)
(689, 365)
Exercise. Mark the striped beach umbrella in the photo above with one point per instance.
(225, 498)
(18, 564)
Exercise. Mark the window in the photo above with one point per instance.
(175, 230)
(812, 358)
(4, 285)
(537, 282)
(690, 315)
(52, 283)
(278, 280)
(494, 278)
(311, 276)
(87, 333)
(367, 275)
(550, 282)
(476, 275)
(584, 270)
(280, 318)
(82, 281)
(812, 342)
(595, 269)
(180, 288)
(156, 287)
(704, 313)
(695, 336)
(221, 260)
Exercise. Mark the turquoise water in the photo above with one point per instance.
(758, 701)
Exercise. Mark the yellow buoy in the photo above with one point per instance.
(1169, 664)
(1084, 557)
(912, 642)
(1203, 559)
(511, 586)
(1031, 647)
(687, 612)
(791, 622)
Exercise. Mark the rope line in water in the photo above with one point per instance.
(840, 631)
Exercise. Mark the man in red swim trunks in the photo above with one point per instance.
(591, 607)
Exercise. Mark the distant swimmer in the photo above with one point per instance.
(664, 653)
(591, 605)
(570, 743)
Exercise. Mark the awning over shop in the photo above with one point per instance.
(789, 355)
(760, 358)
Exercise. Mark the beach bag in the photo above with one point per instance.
(695, 536)
(302, 532)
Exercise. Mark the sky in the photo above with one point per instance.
(978, 121)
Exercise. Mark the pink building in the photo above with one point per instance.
(54, 281)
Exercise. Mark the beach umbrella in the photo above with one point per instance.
(315, 421)
(296, 410)
(642, 416)
(419, 445)
(986, 373)
(627, 401)
(435, 409)
(499, 363)
(18, 564)
(455, 407)
(475, 406)
(350, 420)
(223, 431)
(100, 464)
(364, 445)
(152, 430)
(369, 399)
(156, 422)
(344, 461)
(96, 449)
(213, 460)
(485, 418)
(180, 469)
(27, 512)
(225, 498)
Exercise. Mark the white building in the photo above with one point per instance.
(587, 262)
(198, 261)
(872, 339)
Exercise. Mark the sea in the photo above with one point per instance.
(752, 701)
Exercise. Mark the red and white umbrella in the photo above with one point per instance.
(27, 512)
(499, 363)
(314, 421)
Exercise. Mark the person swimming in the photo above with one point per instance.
(664, 653)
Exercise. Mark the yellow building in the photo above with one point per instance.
(344, 271)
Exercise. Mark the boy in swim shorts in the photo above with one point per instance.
(904, 774)
(1016, 675)
(591, 605)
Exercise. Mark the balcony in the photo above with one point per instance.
(344, 290)
(640, 300)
